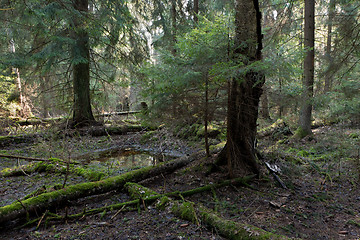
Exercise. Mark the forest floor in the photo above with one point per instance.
(321, 201)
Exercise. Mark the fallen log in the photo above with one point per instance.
(98, 131)
(28, 138)
(54, 165)
(276, 130)
(30, 159)
(199, 214)
(45, 201)
(116, 114)
(148, 196)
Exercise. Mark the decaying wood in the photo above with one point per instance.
(148, 198)
(45, 201)
(279, 127)
(271, 170)
(197, 213)
(116, 114)
(30, 159)
(44, 121)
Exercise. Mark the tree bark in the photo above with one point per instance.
(196, 10)
(244, 91)
(82, 113)
(173, 26)
(264, 109)
(25, 110)
(308, 84)
(45, 96)
(329, 58)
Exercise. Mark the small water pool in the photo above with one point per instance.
(129, 159)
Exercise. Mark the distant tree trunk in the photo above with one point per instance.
(308, 83)
(25, 110)
(328, 73)
(82, 113)
(281, 104)
(44, 96)
(206, 114)
(264, 104)
(23, 106)
(244, 91)
(173, 26)
(196, 10)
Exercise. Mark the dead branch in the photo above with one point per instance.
(197, 214)
(47, 200)
(34, 159)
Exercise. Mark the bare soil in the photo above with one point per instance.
(322, 199)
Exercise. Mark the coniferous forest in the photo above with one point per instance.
(179, 119)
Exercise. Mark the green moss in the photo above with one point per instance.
(185, 210)
(71, 192)
(354, 135)
(89, 174)
(218, 146)
(146, 137)
(6, 171)
(162, 203)
(354, 222)
(300, 133)
(137, 191)
(303, 153)
(233, 230)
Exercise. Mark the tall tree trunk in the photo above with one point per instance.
(308, 83)
(328, 73)
(173, 26)
(264, 104)
(45, 95)
(82, 114)
(196, 10)
(25, 110)
(281, 104)
(244, 91)
(206, 114)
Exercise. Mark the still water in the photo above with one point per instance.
(129, 159)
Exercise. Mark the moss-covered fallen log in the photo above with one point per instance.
(117, 114)
(45, 201)
(33, 158)
(197, 213)
(134, 188)
(31, 121)
(52, 165)
(147, 196)
(276, 130)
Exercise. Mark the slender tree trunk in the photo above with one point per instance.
(206, 114)
(173, 26)
(244, 91)
(44, 95)
(25, 110)
(196, 10)
(264, 102)
(328, 74)
(82, 114)
(308, 83)
(281, 104)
